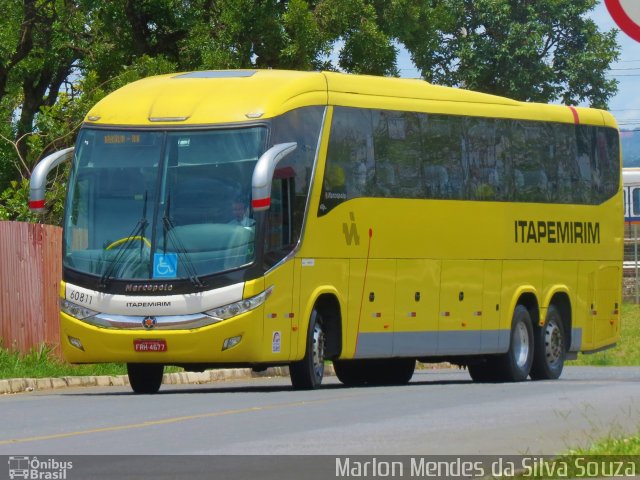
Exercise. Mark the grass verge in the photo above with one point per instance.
(611, 457)
(43, 363)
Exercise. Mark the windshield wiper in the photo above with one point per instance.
(138, 233)
(167, 228)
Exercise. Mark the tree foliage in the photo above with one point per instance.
(58, 57)
(541, 51)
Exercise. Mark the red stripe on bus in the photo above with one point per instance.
(576, 117)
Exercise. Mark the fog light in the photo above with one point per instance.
(231, 342)
(75, 342)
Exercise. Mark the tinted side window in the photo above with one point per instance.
(383, 153)
(350, 168)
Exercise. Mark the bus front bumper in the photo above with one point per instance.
(236, 340)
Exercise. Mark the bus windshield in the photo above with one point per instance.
(161, 205)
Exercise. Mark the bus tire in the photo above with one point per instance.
(483, 371)
(515, 365)
(145, 377)
(393, 371)
(352, 373)
(307, 374)
(549, 348)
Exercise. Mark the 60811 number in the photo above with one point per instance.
(80, 297)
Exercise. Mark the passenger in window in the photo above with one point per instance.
(240, 211)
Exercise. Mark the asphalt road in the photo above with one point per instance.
(439, 412)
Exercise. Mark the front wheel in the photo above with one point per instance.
(145, 377)
(307, 373)
(549, 350)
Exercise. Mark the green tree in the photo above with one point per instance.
(542, 50)
(39, 48)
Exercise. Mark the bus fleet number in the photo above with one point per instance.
(80, 297)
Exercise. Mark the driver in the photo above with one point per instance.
(240, 212)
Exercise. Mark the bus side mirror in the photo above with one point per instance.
(38, 181)
(263, 173)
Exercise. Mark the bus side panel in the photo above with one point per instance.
(600, 289)
(460, 312)
(585, 304)
(372, 290)
(416, 309)
(491, 311)
(519, 277)
(606, 312)
(279, 316)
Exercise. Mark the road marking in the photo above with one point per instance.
(166, 421)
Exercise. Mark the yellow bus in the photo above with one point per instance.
(256, 218)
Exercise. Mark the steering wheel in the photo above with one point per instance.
(140, 238)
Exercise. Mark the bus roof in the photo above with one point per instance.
(230, 96)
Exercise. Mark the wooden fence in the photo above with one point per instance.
(30, 272)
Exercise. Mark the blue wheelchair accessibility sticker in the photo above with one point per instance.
(165, 265)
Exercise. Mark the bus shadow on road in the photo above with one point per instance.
(220, 389)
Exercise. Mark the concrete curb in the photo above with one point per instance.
(19, 385)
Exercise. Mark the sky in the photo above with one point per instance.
(626, 104)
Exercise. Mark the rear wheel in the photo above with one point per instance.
(307, 373)
(515, 365)
(392, 371)
(352, 373)
(145, 377)
(483, 371)
(549, 351)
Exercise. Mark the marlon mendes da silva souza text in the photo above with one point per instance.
(417, 467)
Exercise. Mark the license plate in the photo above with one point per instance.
(141, 345)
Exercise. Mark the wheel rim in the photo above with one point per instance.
(521, 345)
(553, 342)
(318, 351)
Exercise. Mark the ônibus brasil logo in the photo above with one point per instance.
(38, 469)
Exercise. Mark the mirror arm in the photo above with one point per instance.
(38, 180)
(263, 173)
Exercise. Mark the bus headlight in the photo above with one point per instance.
(76, 311)
(237, 308)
